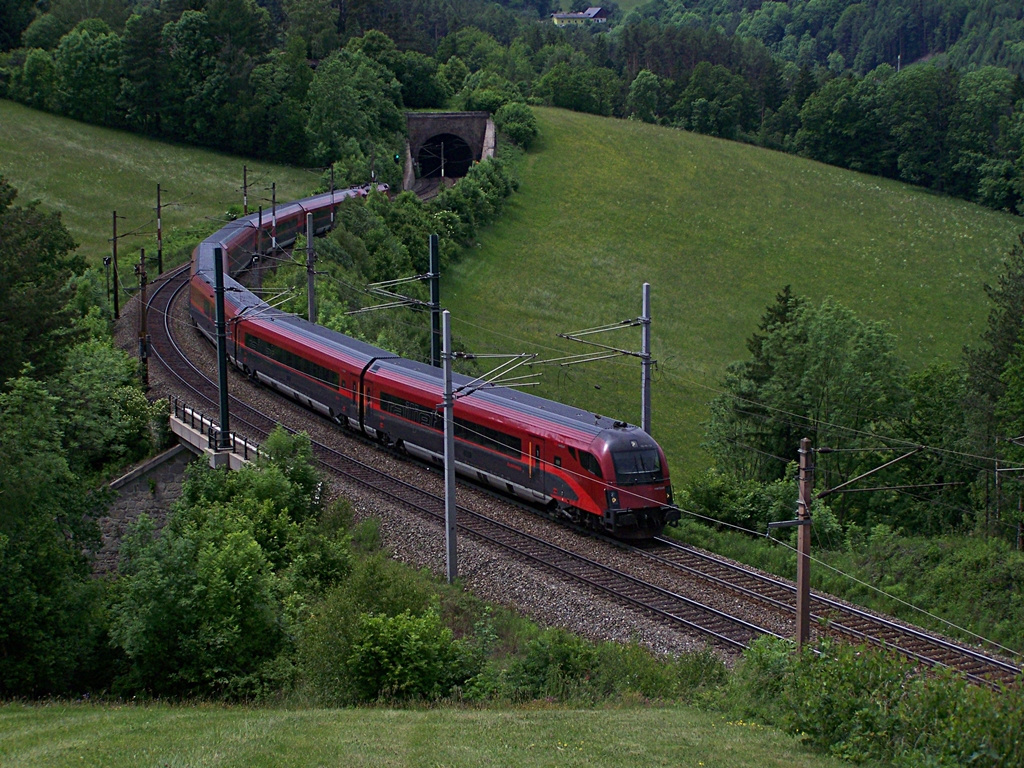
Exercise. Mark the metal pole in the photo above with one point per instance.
(988, 524)
(645, 361)
(452, 569)
(273, 216)
(245, 190)
(310, 275)
(435, 303)
(803, 549)
(143, 309)
(222, 347)
(259, 233)
(332, 195)
(159, 236)
(117, 291)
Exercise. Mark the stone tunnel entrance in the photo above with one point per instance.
(442, 146)
(444, 156)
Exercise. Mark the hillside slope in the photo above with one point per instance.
(717, 228)
(87, 172)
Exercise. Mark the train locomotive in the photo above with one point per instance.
(588, 469)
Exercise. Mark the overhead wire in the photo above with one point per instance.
(796, 420)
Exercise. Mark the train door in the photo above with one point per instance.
(537, 468)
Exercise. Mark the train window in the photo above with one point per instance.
(572, 452)
(589, 463)
(409, 410)
(291, 360)
(488, 437)
(634, 467)
(558, 461)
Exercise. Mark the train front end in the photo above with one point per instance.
(637, 500)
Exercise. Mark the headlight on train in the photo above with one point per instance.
(612, 496)
(668, 494)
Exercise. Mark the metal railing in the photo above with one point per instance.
(198, 421)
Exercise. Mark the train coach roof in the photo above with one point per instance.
(550, 410)
(258, 311)
(330, 338)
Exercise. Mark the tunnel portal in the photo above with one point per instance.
(444, 156)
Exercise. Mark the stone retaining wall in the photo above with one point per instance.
(149, 488)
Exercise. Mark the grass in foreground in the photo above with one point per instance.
(717, 228)
(163, 735)
(86, 173)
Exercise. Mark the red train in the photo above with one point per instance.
(590, 469)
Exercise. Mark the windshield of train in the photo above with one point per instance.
(636, 467)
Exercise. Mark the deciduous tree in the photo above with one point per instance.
(36, 259)
(48, 607)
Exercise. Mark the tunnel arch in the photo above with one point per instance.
(444, 155)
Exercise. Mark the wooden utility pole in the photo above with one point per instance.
(803, 549)
(143, 331)
(159, 236)
(117, 284)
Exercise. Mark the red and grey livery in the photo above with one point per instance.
(592, 470)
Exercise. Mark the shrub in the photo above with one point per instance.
(517, 122)
(406, 657)
(196, 612)
(621, 670)
(556, 665)
(861, 703)
(759, 681)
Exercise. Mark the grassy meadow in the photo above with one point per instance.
(86, 173)
(717, 228)
(58, 735)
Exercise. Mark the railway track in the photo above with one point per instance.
(671, 607)
(833, 616)
(667, 604)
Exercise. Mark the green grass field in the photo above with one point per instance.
(86, 173)
(717, 228)
(162, 735)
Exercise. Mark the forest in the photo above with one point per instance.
(239, 597)
(928, 92)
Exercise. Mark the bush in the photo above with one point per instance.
(862, 703)
(516, 120)
(622, 670)
(196, 612)
(406, 657)
(760, 679)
